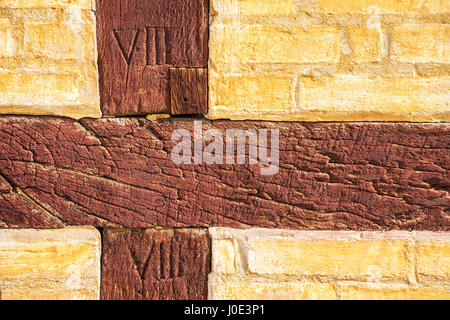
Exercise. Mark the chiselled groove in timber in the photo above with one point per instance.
(127, 54)
(119, 173)
(155, 264)
(18, 209)
(138, 42)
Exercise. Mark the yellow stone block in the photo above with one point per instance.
(379, 6)
(269, 61)
(83, 4)
(433, 261)
(243, 43)
(339, 98)
(40, 293)
(50, 264)
(52, 94)
(223, 256)
(365, 44)
(52, 70)
(377, 260)
(60, 41)
(8, 44)
(375, 292)
(253, 290)
(288, 264)
(410, 97)
(421, 43)
(254, 7)
(245, 94)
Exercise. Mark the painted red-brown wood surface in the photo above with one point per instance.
(188, 91)
(155, 265)
(138, 42)
(119, 173)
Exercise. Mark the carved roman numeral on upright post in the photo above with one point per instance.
(157, 45)
(127, 53)
(139, 41)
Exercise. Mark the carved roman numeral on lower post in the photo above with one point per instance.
(147, 264)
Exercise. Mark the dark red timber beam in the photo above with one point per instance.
(120, 173)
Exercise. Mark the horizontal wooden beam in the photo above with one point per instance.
(119, 173)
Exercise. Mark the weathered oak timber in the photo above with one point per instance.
(138, 42)
(155, 264)
(188, 91)
(119, 173)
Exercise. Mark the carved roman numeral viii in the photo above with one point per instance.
(157, 44)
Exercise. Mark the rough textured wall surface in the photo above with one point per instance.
(313, 60)
(288, 60)
(50, 264)
(282, 264)
(48, 58)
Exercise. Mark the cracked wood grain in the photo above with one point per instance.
(155, 264)
(17, 210)
(189, 91)
(118, 173)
